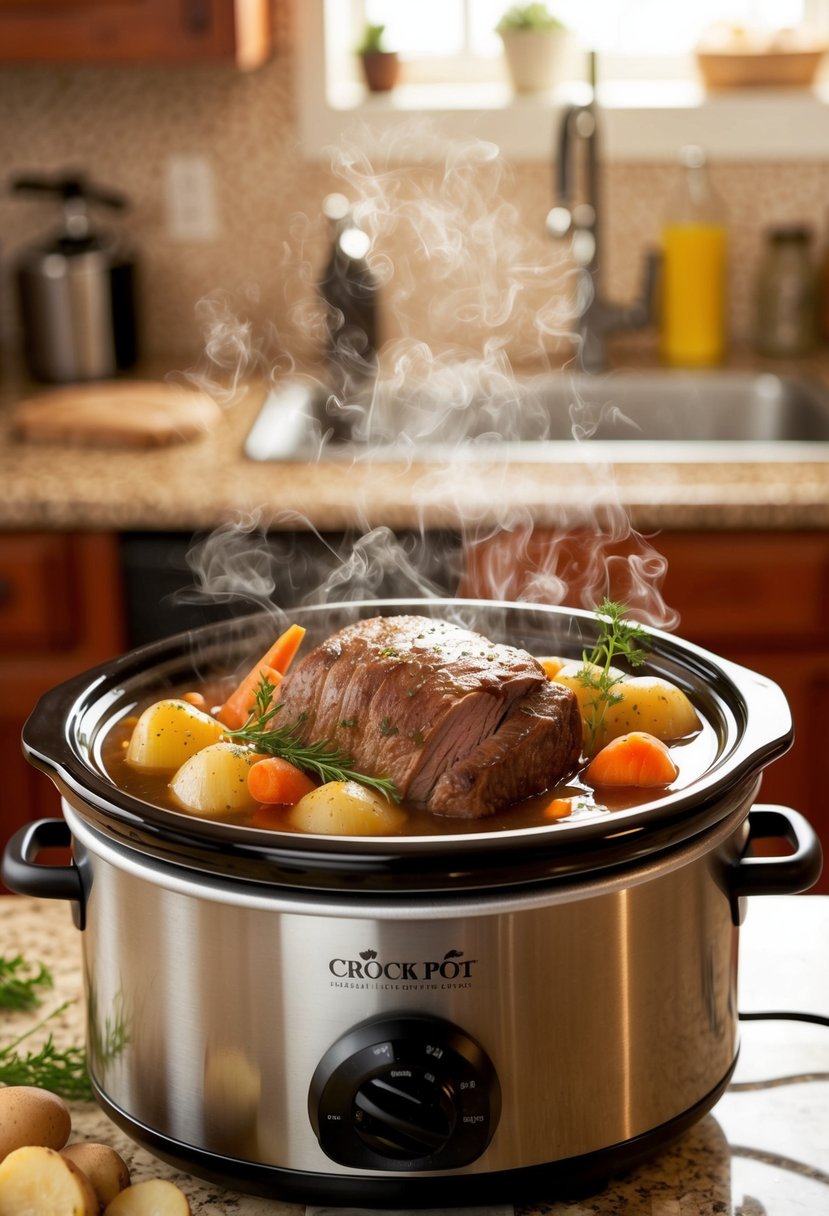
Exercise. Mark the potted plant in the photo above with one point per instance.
(381, 68)
(533, 42)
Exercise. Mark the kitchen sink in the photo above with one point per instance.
(459, 413)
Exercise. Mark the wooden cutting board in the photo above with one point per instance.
(117, 413)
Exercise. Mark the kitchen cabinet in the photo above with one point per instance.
(760, 599)
(136, 31)
(60, 613)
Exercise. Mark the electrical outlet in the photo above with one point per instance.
(190, 199)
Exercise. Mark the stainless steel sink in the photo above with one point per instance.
(458, 414)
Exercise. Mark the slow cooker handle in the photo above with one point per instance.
(22, 874)
(779, 875)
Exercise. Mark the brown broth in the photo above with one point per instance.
(693, 756)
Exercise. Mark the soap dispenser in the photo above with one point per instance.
(694, 269)
(76, 288)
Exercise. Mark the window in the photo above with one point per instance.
(649, 91)
(452, 32)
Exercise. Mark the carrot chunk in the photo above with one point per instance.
(558, 808)
(277, 782)
(235, 712)
(633, 759)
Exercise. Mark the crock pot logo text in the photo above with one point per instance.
(367, 970)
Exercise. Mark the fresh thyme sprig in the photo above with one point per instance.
(20, 983)
(61, 1070)
(321, 758)
(617, 639)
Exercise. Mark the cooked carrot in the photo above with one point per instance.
(277, 782)
(272, 818)
(633, 759)
(273, 664)
(195, 698)
(558, 808)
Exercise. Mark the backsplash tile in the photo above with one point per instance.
(122, 124)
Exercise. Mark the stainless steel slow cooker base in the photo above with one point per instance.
(574, 1178)
(411, 1021)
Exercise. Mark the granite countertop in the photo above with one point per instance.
(208, 481)
(762, 1151)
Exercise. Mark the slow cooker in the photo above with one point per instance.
(469, 1017)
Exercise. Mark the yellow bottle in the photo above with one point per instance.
(694, 270)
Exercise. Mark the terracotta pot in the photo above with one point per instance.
(381, 70)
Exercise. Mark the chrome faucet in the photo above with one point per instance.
(596, 317)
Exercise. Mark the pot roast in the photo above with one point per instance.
(463, 726)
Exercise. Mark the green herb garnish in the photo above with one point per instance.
(61, 1070)
(322, 758)
(21, 983)
(617, 640)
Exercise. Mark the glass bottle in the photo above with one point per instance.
(694, 269)
(786, 318)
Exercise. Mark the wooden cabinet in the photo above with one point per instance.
(760, 599)
(136, 31)
(61, 611)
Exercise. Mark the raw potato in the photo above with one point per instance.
(155, 1197)
(29, 1115)
(38, 1181)
(106, 1170)
(167, 733)
(345, 808)
(215, 780)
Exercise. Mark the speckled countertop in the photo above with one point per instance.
(762, 1151)
(208, 481)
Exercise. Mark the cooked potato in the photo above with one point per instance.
(647, 703)
(35, 1181)
(570, 674)
(345, 808)
(29, 1115)
(105, 1169)
(167, 733)
(215, 780)
(652, 705)
(155, 1197)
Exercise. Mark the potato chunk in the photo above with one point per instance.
(35, 1180)
(167, 733)
(154, 1197)
(645, 703)
(215, 780)
(652, 705)
(105, 1169)
(346, 808)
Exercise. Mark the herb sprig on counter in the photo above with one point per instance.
(618, 639)
(322, 758)
(62, 1070)
(21, 983)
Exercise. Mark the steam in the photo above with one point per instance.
(471, 290)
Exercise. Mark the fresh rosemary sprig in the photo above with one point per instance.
(321, 758)
(61, 1070)
(20, 983)
(617, 639)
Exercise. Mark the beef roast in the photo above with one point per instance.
(462, 725)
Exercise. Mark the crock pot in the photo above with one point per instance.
(472, 1017)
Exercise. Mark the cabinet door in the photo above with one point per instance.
(61, 612)
(135, 31)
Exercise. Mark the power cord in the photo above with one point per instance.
(818, 1019)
